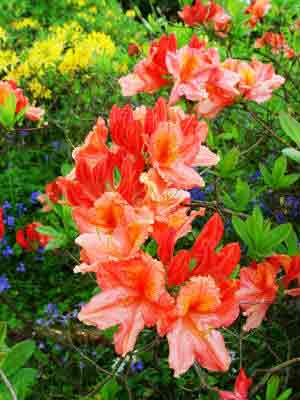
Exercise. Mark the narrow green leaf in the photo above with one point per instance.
(290, 126)
(291, 153)
(18, 356)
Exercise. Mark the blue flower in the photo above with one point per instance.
(21, 267)
(137, 366)
(34, 197)
(10, 220)
(253, 178)
(4, 284)
(209, 188)
(7, 251)
(6, 205)
(280, 217)
(52, 310)
(197, 194)
(56, 144)
(21, 209)
(24, 133)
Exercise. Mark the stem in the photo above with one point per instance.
(214, 205)
(271, 371)
(8, 385)
(267, 127)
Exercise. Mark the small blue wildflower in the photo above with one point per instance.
(41, 250)
(280, 217)
(3, 242)
(41, 345)
(24, 133)
(7, 251)
(4, 284)
(21, 209)
(21, 267)
(41, 321)
(10, 220)
(56, 144)
(57, 347)
(6, 205)
(34, 197)
(81, 365)
(253, 178)
(137, 366)
(197, 194)
(52, 310)
(209, 188)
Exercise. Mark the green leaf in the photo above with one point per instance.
(292, 243)
(290, 126)
(3, 331)
(267, 177)
(110, 390)
(272, 388)
(279, 169)
(291, 153)
(285, 395)
(241, 229)
(22, 383)
(7, 111)
(151, 248)
(227, 165)
(278, 235)
(18, 356)
(66, 168)
(288, 180)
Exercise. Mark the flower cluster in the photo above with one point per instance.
(30, 239)
(205, 14)
(13, 105)
(277, 43)
(257, 10)
(197, 73)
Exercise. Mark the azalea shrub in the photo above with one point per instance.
(178, 211)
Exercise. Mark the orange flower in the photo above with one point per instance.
(257, 9)
(257, 292)
(292, 274)
(133, 297)
(193, 335)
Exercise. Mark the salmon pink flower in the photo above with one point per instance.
(193, 335)
(34, 113)
(257, 292)
(257, 9)
(194, 15)
(175, 150)
(241, 388)
(111, 230)
(190, 66)
(257, 80)
(277, 43)
(149, 74)
(292, 274)
(133, 297)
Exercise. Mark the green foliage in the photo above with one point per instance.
(278, 178)
(240, 198)
(257, 234)
(12, 364)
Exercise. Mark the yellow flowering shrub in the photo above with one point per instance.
(25, 23)
(8, 60)
(3, 35)
(83, 53)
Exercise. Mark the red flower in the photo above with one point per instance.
(30, 239)
(1, 224)
(241, 388)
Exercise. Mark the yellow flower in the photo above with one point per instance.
(25, 23)
(8, 60)
(81, 56)
(38, 90)
(3, 35)
(93, 9)
(130, 13)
